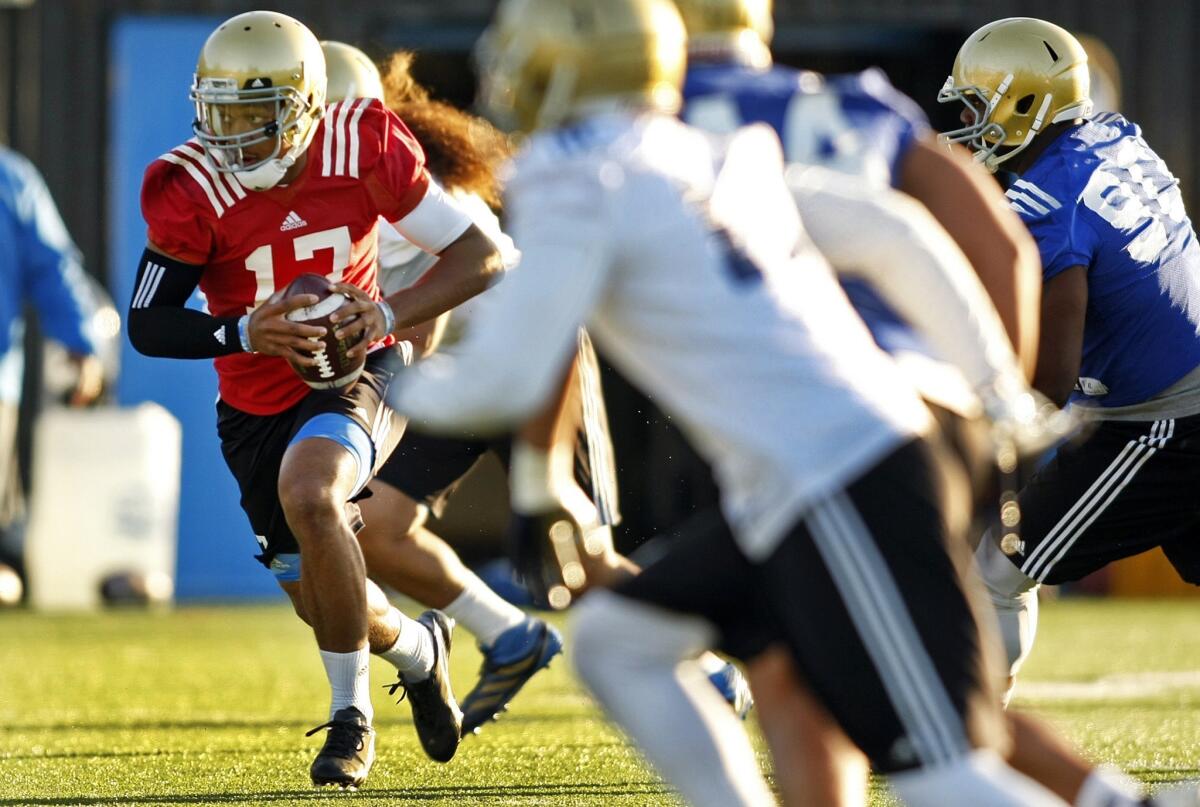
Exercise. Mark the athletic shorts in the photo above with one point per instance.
(428, 468)
(254, 445)
(871, 593)
(1128, 487)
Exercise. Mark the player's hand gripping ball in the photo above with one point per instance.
(333, 367)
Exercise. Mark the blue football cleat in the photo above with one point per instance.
(511, 660)
(733, 687)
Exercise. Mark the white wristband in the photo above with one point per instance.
(389, 317)
(243, 328)
(536, 477)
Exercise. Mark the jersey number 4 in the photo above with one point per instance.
(305, 248)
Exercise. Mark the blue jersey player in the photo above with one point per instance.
(1120, 316)
(859, 124)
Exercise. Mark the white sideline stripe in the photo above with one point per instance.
(1122, 686)
(1094, 501)
(1026, 185)
(148, 286)
(1083, 507)
(1027, 200)
(881, 619)
(201, 180)
(359, 108)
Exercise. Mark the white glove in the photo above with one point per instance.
(552, 522)
(1024, 422)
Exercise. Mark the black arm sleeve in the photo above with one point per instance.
(158, 323)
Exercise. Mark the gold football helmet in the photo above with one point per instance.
(350, 73)
(259, 91)
(1015, 76)
(544, 61)
(742, 28)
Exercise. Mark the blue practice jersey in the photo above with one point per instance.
(39, 264)
(857, 123)
(1100, 198)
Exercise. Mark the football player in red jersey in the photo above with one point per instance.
(275, 185)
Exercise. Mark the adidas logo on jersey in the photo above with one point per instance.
(219, 334)
(292, 222)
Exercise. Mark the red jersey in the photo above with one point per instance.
(362, 163)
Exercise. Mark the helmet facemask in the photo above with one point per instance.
(235, 124)
(982, 135)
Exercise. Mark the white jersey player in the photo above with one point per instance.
(465, 153)
(687, 260)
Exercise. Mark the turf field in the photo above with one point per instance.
(208, 706)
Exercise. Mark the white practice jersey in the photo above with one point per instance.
(402, 263)
(685, 257)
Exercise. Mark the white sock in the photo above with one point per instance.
(980, 779)
(637, 661)
(1108, 787)
(1015, 597)
(350, 679)
(483, 612)
(412, 654)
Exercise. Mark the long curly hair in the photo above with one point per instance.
(461, 150)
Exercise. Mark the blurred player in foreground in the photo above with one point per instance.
(273, 186)
(1120, 318)
(464, 153)
(687, 261)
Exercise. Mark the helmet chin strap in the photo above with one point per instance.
(266, 176)
(271, 173)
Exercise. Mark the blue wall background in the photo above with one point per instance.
(151, 66)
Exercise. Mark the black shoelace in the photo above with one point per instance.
(345, 737)
(398, 684)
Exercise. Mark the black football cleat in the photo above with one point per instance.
(349, 750)
(436, 715)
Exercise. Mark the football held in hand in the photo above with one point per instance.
(333, 368)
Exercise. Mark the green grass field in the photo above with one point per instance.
(208, 706)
